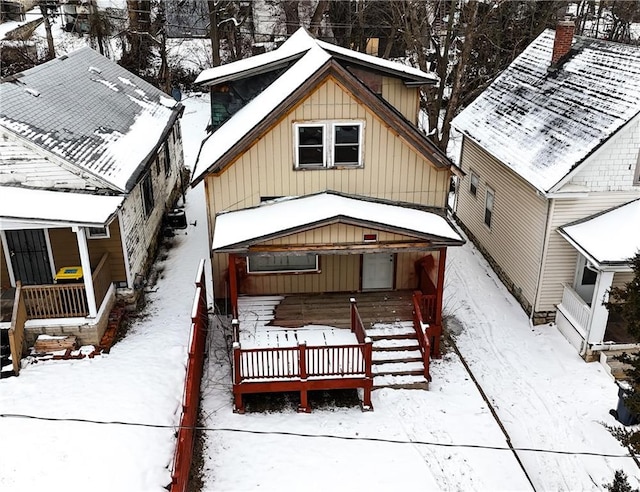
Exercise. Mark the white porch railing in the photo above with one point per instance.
(573, 305)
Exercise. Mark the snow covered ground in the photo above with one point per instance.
(544, 394)
(140, 381)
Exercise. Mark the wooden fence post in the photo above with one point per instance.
(237, 380)
(353, 313)
(235, 326)
(302, 366)
(368, 356)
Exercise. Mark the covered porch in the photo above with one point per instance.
(59, 264)
(605, 244)
(307, 252)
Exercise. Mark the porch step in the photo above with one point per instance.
(400, 382)
(397, 330)
(388, 356)
(394, 345)
(398, 368)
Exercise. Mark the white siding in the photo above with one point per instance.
(516, 235)
(560, 257)
(612, 166)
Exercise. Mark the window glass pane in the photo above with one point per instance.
(473, 188)
(589, 276)
(488, 209)
(310, 156)
(347, 154)
(310, 135)
(283, 263)
(347, 134)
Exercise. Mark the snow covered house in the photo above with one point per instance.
(90, 160)
(318, 180)
(549, 151)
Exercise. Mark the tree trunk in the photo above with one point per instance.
(213, 32)
(291, 16)
(316, 19)
(51, 49)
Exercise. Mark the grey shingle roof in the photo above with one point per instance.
(542, 124)
(89, 111)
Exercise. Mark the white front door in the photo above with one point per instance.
(377, 271)
(585, 280)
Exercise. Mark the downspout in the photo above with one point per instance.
(545, 244)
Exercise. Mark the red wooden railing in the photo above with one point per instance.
(191, 397)
(357, 326)
(302, 368)
(422, 332)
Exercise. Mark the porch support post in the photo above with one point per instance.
(599, 312)
(233, 284)
(442, 259)
(85, 262)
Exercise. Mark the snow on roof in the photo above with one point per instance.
(542, 123)
(90, 112)
(220, 142)
(28, 205)
(611, 237)
(285, 214)
(300, 42)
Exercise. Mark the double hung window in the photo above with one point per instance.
(282, 264)
(321, 145)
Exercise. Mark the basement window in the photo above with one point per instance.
(283, 264)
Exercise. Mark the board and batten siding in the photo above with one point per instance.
(404, 99)
(391, 169)
(560, 257)
(516, 236)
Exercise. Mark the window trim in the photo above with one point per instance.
(316, 269)
(489, 192)
(97, 235)
(147, 208)
(473, 188)
(328, 144)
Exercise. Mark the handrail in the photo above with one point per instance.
(576, 307)
(357, 327)
(16, 331)
(422, 330)
(101, 278)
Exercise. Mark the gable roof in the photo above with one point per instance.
(90, 112)
(241, 130)
(238, 229)
(609, 238)
(543, 123)
(295, 47)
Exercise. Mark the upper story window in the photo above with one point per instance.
(328, 144)
(636, 176)
(473, 183)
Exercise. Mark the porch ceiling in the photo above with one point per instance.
(608, 239)
(246, 230)
(23, 208)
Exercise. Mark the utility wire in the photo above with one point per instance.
(322, 436)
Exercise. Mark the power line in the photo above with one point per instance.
(321, 436)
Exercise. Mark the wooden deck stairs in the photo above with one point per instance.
(397, 361)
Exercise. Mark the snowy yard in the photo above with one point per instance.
(445, 438)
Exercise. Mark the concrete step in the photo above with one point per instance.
(400, 382)
(396, 356)
(398, 368)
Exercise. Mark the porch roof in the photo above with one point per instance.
(236, 231)
(608, 239)
(22, 208)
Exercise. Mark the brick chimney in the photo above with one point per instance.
(562, 40)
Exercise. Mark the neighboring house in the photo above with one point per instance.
(317, 178)
(90, 160)
(555, 139)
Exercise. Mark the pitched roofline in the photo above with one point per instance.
(577, 166)
(406, 130)
(61, 161)
(135, 176)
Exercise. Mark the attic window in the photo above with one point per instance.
(328, 144)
